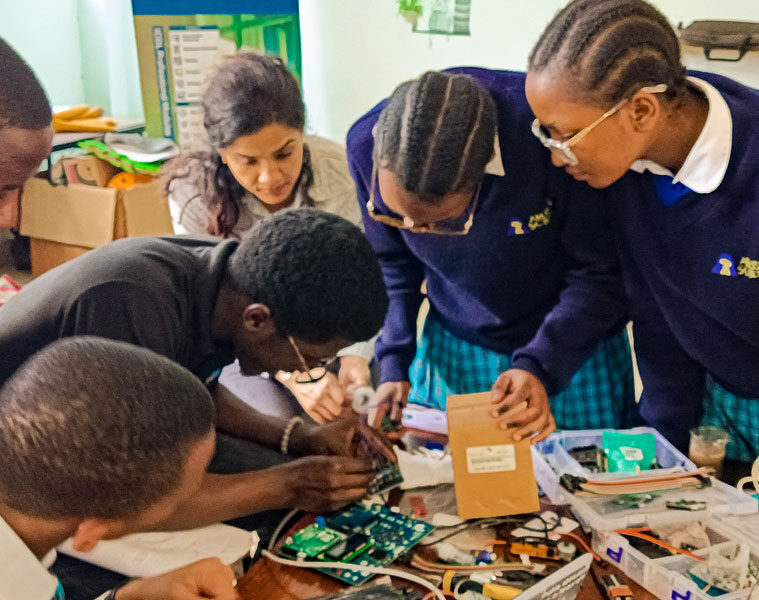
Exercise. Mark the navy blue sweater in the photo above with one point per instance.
(689, 318)
(548, 296)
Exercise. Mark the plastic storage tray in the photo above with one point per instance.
(667, 577)
(557, 447)
(602, 513)
(744, 527)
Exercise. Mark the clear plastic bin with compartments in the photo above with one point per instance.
(557, 447)
(668, 577)
(601, 513)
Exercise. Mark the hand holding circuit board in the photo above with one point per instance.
(377, 447)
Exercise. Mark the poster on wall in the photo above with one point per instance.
(179, 42)
(447, 17)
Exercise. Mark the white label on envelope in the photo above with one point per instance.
(491, 459)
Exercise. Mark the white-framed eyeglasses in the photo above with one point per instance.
(564, 148)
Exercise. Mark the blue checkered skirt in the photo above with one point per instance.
(601, 395)
(738, 415)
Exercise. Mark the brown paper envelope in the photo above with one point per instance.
(493, 473)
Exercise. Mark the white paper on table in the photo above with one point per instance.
(422, 470)
(154, 553)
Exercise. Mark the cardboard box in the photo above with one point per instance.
(64, 222)
(493, 473)
(88, 170)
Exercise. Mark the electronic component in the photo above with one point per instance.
(592, 458)
(614, 587)
(353, 519)
(353, 545)
(647, 547)
(313, 540)
(388, 475)
(537, 547)
(691, 505)
(357, 536)
(566, 550)
(635, 485)
(417, 503)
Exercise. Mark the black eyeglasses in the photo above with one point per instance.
(310, 374)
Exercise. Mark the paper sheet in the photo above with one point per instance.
(148, 554)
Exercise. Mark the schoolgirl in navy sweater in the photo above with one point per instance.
(520, 266)
(678, 154)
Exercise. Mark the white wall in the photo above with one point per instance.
(83, 51)
(109, 56)
(46, 34)
(356, 51)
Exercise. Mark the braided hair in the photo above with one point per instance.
(436, 134)
(247, 92)
(611, 49)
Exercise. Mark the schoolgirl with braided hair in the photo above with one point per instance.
(677, 151)
(520, 269)
(260, 162)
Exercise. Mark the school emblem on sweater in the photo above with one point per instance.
(541, 219)
(747, 267)
(725, 266)
(516, 227)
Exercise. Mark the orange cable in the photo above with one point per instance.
(583, 544)
(638, 533)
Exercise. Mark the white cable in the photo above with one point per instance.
(280, 527)
(753, 478)
(336, 565)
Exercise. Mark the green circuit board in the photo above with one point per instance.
(357, 536)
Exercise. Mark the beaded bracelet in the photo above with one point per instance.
(285, 442)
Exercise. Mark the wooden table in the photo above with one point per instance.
(272, 581)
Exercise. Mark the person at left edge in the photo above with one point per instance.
(520, 266)
(66, 475)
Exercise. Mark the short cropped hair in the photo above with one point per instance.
(317, 274)
(96, 428)
(23, 102)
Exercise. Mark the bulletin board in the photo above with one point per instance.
(179, 42)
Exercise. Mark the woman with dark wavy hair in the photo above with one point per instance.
(259, 160)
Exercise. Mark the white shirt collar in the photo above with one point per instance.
(495, 166)
(21, 574)
(706, 163)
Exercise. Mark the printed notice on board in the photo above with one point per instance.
(491, 459)
(194, 53)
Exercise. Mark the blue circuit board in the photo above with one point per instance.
(357, 536)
